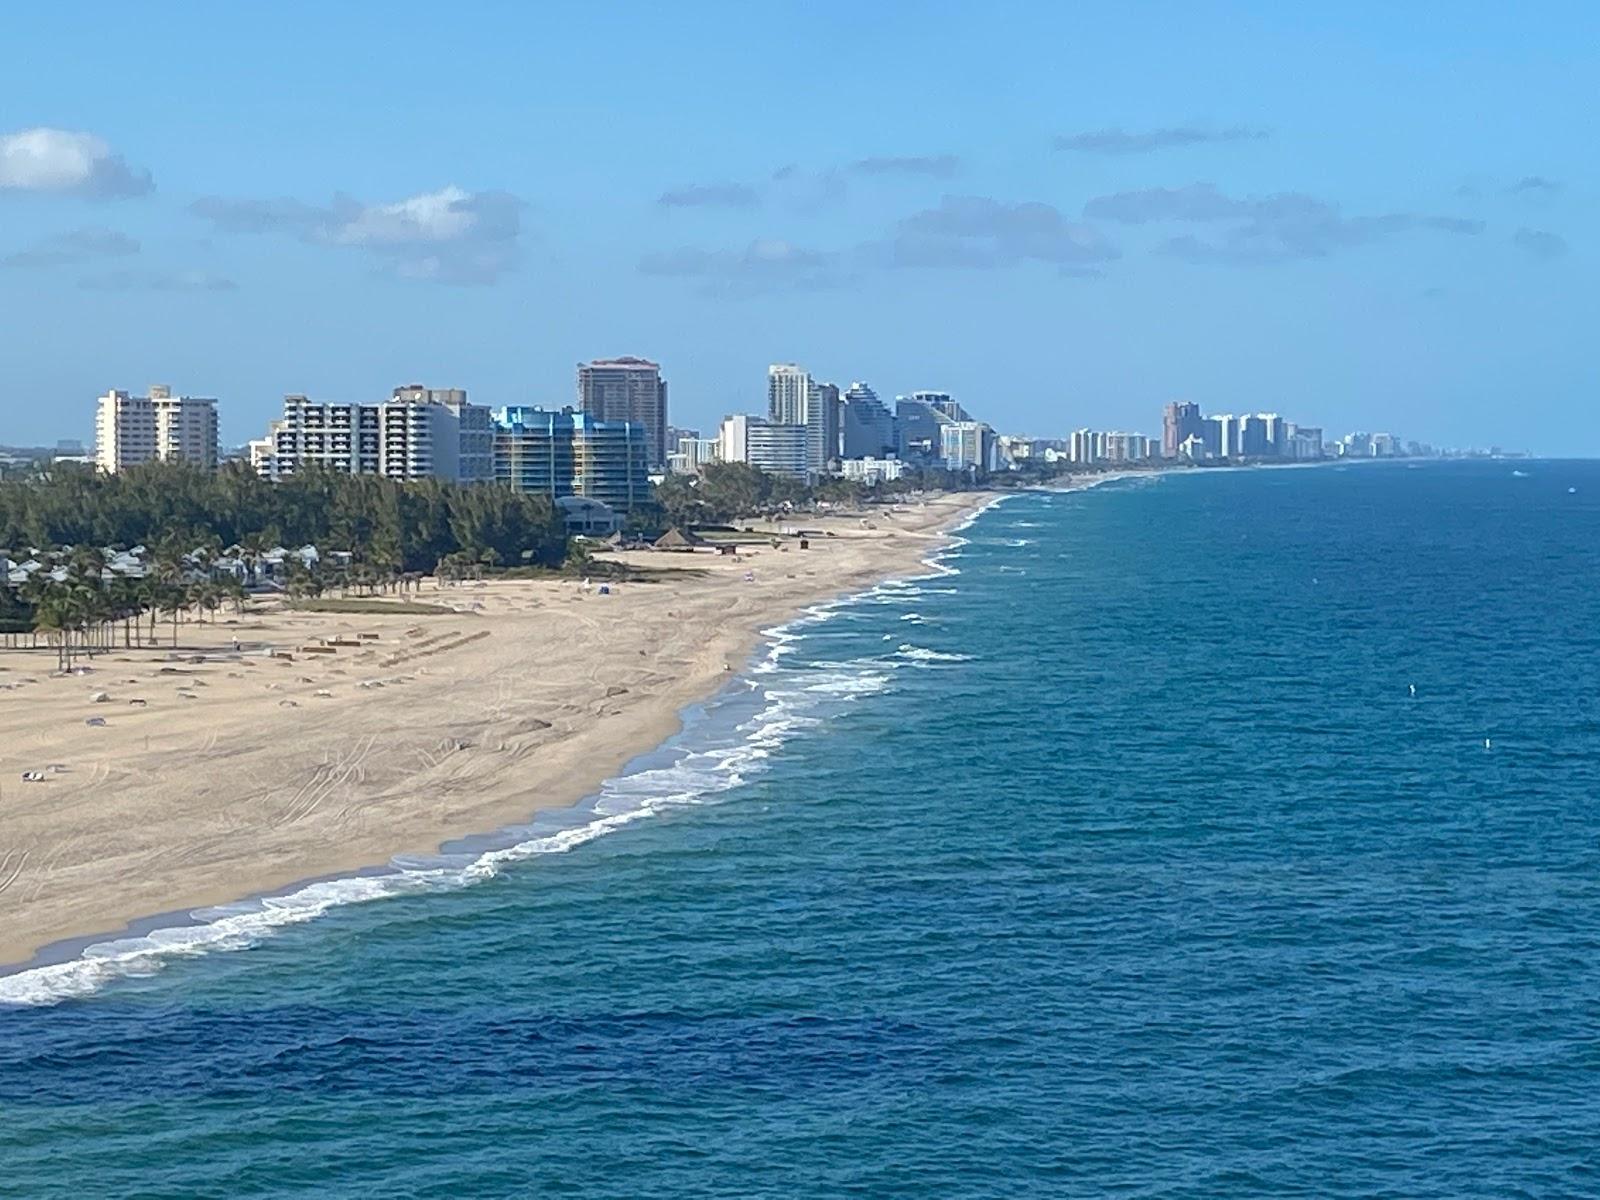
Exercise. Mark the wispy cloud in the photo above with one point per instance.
(1120, 141)
(765, 265)
(979, 232)
(72, 248)
(67, 162)
(931, 166)
(157, 281)
(1534, 183)
(1288, 225)
(447, 236)
(710, 195)
(1540, 243)
(806, 190)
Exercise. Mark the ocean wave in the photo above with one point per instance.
(922, 654)
(793, 697)
(793, 701)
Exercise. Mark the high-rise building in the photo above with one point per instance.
(1277, 435)
(788, 393)
(1222, 435)
(943, 403)
(570, 453)
(822, 427)
(419, 433)
(1305, 443)
(1080, 447)
(628, 389)
(1180, 421)
(967, 446)
(1253, 441)
(794, 398)
(918, 422)
(776, 447)
(136, 429)
(866, 427)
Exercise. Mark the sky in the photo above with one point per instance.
(1363, 216)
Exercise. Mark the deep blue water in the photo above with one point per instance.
(1122, 862)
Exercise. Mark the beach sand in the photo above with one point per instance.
(243, 773)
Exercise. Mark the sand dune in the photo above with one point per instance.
(214, 772)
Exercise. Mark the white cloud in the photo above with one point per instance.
(58, 160)
(448, 236)
(443, 216)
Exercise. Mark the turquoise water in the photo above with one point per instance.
(1121, 862)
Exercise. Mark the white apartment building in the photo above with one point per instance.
(773, 446)
(692, 455)
(967, 446)
(794, 398)
(419, 433)
(129, 430)
(871, 471)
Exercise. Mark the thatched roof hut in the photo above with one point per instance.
(678, 539)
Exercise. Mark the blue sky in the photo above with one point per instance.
(1374, 216)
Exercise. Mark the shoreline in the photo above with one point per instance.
(494, 823)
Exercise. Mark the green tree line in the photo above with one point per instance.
(725, 492)
(387, 525)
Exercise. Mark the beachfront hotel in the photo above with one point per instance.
(129, 430)
(565, 453)
(419, 433)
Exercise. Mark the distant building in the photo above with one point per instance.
(967, 446)
(419, 433)
(590, 518)
(1080, 447)
(1120, 447)
(1180, 420)
(1305, 443)
(866, 427)
(693, 453)
(777, 447)
(1253, 442)
(567, 453)
(942, 403)
(871, 471)
(794, 398)
(1277, 431)
(918, 422)
(1222, 435)
(628, 389)
(130, 430)
(788, 391)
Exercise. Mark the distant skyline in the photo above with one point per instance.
(1370, 216)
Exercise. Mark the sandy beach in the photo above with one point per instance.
(218, 770)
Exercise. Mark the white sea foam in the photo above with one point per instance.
(794, 700)
(924, 655)
(1015, 543)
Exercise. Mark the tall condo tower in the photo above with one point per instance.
(628, 389)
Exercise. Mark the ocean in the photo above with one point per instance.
(1212, 835)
